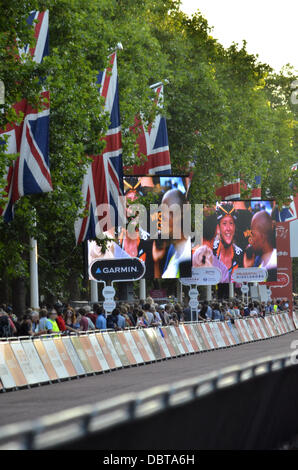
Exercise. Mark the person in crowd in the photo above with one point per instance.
(84, 322)
(112, 320)
(51, 323)
(63, 327)
(70, 318)
(101, 322)
(141, 322)
(91, 314)
(6, 330)
(168, 310)
(43, 313)
(149, 314)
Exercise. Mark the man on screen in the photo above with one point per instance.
(262, 242)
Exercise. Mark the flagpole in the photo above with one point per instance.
(94, 291)
(34, 290)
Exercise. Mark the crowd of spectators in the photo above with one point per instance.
(65, 319)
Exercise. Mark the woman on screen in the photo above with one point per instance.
(224, 247)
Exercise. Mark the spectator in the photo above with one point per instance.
(149, 314)
(112, 320)
(70, 318)
(42, 320)
(51, 324)
(91, 314)
(26, 326)
(140, 320)
(101, 322)
(5, 325)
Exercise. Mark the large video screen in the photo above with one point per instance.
(238, 234)
(153, 227)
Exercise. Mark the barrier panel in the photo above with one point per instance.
(35, 361)
(125, 346)
(39, 346)
(181, 340)
(209, 336)
(25, 362)
(10, 372)
(55, 359)
(152, 340)
(106, 352)
(74, 356)
(117, 345)
(78, 345)
(90, 354)
(168, 342)
(110, 345)
(163, 344)
(140, 346)
(99, 353)
(32, 377)
(130, 340)
(146, 345)
(190, 334)
(65, 357)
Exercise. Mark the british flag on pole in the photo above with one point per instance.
(102, 183)
(30, 172)
(153, 143)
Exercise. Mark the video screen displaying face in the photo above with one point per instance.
(238, 234)
(153, 227)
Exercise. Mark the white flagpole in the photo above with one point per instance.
(34, 291)
(94, 291)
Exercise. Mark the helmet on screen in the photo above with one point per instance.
(225, 208)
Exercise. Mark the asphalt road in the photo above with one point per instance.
(27, 404)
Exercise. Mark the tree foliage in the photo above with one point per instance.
(226, 113)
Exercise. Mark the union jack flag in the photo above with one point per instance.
(103, 181)
(30, 172)
(232, 191)
(229, 190)
(153, 143)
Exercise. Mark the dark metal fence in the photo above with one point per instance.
(252, 406)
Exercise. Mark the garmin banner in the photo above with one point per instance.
(123, 269)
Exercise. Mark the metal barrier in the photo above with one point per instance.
(200, 413)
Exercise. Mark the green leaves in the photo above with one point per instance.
(226, 112)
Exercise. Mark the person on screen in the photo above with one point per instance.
(262, 242)
(178, 255)
(224, 247)
(203, 257)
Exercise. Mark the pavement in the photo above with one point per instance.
(28, 404)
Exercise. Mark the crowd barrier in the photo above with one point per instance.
(31, 361)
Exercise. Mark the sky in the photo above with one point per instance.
(269, 26)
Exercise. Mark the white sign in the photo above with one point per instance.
(108, 292)
(193, 293)
(202, 277)
(244, 288)
(109, 305)
(193, 303)
(250, 275)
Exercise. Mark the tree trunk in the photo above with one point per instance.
(19, 297)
